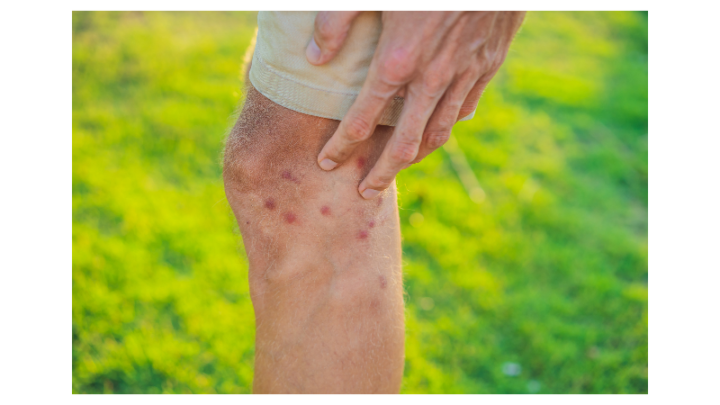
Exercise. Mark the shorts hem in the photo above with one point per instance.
(310, 100)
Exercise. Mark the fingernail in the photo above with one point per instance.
(327, 164)
(312, 52)
(369, 193)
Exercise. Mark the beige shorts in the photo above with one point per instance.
(281, 72)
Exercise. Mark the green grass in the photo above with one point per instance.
(549, 271)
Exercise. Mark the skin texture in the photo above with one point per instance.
(440, 62)
(325, 271)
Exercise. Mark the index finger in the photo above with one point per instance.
(403, 146)
(381, 86)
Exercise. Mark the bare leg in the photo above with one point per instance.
(325, 272)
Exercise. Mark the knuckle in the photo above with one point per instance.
(392, 77)
(497, 63)
(473, 73)
(404, 152)
(483, 66)
(380, 181)
(435, 82)
(358, 129)
(447, 119)
(437, 139)
(331, 45)
(489, 54)
(397, 66)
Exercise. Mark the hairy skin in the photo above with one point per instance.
(325, 271)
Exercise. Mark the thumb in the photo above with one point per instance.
(331, 29)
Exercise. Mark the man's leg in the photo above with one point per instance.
(325, 271)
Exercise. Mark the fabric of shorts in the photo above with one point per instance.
(281, 72)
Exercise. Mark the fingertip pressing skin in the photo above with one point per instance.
(369, 193)
(327, 164)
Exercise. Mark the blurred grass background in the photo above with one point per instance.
(536, 285)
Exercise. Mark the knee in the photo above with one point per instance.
(242, 166)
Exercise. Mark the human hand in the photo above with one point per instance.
(440, 62)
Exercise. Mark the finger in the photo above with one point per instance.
(473, 98)
(387, 74)
(331, 29)
(403, 146)
(439, 126)
(446, 114)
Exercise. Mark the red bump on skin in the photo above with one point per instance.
(288, 176)
(325, 210)
(363, 235)
(371, 224)
(270, 204)
(290, 217)
(361, 162)
(383, 282)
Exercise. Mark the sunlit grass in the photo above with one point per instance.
(540, 286)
